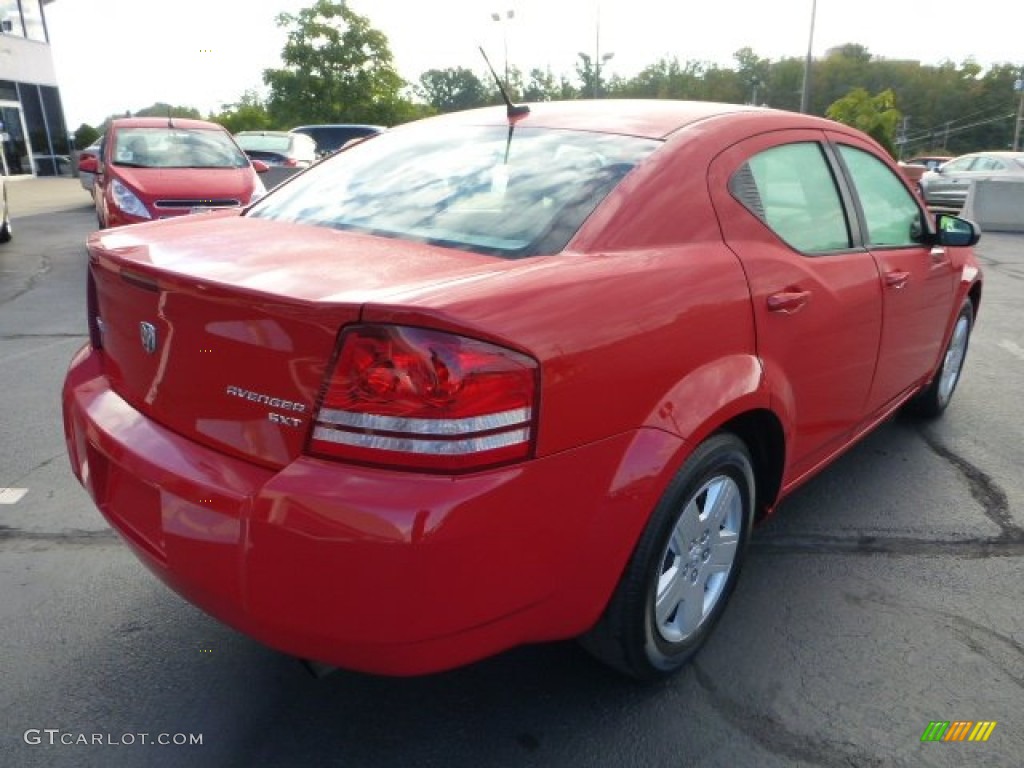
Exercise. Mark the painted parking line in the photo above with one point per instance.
(1012, 348)
(12, 495)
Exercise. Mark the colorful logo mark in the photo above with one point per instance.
(958, 730)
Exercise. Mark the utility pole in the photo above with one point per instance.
(805, 91)
(1018, 86)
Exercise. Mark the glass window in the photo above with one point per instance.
(960, 164)
(32, 108)
(987, 164)
(176, 148)
(33, 16)
(890, 212)
(10, 18)
(492, 190)
(55, 120)
(796, 196)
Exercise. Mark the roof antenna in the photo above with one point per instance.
(512, 110)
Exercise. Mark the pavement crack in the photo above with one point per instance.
(775, 737)
(983, 488)
(74, 537)
(825, 544)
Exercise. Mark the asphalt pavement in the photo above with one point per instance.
(884, 595)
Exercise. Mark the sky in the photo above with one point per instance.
(117, 55)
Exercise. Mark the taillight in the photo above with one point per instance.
(426, 399)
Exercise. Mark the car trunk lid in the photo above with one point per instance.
(221, 328)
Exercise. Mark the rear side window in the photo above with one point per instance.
(792, 190)
(892, 216)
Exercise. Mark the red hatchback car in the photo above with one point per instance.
(495, 378)
(156, 168)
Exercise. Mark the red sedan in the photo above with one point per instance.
(159, 167)
(495, 378)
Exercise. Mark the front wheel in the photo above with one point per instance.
(932, 400)
(684, 567)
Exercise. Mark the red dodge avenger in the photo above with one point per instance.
(509, 376)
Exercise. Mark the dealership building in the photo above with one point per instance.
(32, 129)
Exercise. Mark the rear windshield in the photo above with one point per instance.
(176, 148)
(490, 190)
(258, 143)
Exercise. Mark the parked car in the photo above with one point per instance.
(158, 168)
(6, 232)
(278, 148)
(332, 137)
(87, 174)
(496, 378)
(915, 167)
(947, 185)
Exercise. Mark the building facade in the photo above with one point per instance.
(32, 128)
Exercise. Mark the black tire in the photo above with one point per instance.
(6, 233)
(934, 399)
(646, 641)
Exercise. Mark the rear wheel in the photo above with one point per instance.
(932, 401)
(684, 566)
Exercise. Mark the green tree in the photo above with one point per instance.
(452, 89)
(337, 68)
(249, 113)
(162, 109)
(876, 115)
(85, 135)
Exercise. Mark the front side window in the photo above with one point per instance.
(175, 148)
(796, 196)
(892, 216)
(960, 164)
(488, 189)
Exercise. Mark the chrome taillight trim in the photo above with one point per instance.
(460, 447)
(444, 427)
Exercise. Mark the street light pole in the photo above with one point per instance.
(598, 58)
(805, 91)
(1019, 87)
(503, 20)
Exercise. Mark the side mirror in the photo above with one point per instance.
(954, 231)
(259, 166)
(88, 163)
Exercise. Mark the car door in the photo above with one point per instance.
(816, 297)
(948, 184)
(918, 280)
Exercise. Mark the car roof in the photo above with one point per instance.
(163, 122)
(649, 118)
(996, 153)
(264, 133)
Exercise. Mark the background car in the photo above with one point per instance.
(330, 138)
(278, 148)
(947, 185)
(503, 377)
(915, 167)
(87, 174)
(157, 168)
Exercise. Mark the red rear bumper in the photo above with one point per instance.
(370, 569)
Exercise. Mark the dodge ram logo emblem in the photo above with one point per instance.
(147, 332)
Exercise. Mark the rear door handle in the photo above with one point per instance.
(788, 302)
(896, 279)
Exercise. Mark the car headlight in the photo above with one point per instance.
(258, 190)
(126, 200)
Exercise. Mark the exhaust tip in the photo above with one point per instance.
(317, 669)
